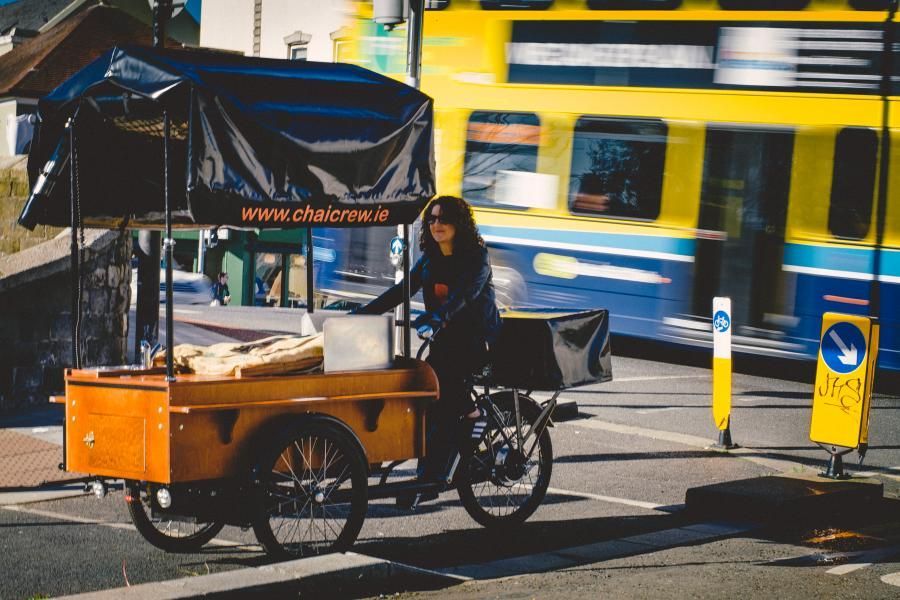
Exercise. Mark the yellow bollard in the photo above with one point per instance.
(722, 371)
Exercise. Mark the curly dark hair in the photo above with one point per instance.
(458, 212)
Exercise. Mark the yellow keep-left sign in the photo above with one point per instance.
(847, 353)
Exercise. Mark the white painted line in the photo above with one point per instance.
(650, 411)
(610, 499)
(848, 568)
(661, 378)
(656, 434)
(126, 526)
(891, 579)
(865, 559)
(777, 465)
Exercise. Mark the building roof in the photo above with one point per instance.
(29, 14)
(35, 68)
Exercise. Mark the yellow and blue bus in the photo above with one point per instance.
(648, 155)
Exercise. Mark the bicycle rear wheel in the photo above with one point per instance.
(312, 492)
(499, 485)
(168, 534)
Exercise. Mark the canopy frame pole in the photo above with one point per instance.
(169, 245)
(413, 79)
(75, 253)
(310, 276)
(407, 310)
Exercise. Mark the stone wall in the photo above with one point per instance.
(13, 193)
(36, 314)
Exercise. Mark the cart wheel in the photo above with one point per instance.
(312, 491)
(169, 535)
(497, 485)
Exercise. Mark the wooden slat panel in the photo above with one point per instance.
(206, 445)
(241, 404)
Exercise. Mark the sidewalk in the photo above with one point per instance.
(30, 454)
(31, 442)
(334, 575)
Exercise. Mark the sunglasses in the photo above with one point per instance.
(432, 219)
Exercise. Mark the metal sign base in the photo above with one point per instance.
(835, 469)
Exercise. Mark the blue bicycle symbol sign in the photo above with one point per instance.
(721, 321)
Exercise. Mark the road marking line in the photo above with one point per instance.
(610, 499)
(891, 579)
(776, 464)
(865, 559)
(660, 378)
(648, 411)
(127, 526)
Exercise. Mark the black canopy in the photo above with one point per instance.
(254, 143)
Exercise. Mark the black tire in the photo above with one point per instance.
(166, 534)
(311, 496)
(499, 492)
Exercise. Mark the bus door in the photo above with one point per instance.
(740, 239)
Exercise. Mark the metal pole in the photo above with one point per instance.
(413, 79)
(201, 250)
(885, 160)
(407, 338)
(170, 252)
(73, 251)
(162, 11)
(414, 43)
(310, 280)
(146, 319)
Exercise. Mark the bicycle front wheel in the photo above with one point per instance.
(500, 483)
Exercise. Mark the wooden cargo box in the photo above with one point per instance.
(136, 425)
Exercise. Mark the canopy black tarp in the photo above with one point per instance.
(254, 143)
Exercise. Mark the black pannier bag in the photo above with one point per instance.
(552, 349)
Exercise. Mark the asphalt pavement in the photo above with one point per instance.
(613, 522)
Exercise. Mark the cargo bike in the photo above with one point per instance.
(149, 138)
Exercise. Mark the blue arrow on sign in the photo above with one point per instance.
(843, 347)
(397, 245)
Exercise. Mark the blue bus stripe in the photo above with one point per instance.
(645, 243)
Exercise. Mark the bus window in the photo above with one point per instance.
(632, 4)
(763, 4)
(853, 184)
(497, 144)
(617, 167)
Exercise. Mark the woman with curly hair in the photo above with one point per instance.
(454, 274)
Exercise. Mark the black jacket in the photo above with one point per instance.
(470, 303)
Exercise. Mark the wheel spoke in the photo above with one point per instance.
(304, 515)
(501, 480)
